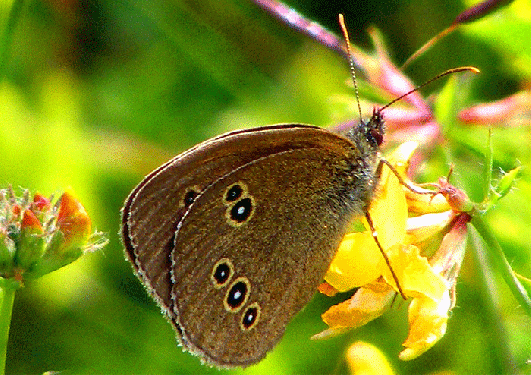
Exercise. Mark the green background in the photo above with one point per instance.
(96, 94)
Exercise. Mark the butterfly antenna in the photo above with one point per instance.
(428, 45)
(369, 220)
(350, 61)
(445, 73)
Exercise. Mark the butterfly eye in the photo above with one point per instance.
(237, 294)
(377, 136)
(250, 317)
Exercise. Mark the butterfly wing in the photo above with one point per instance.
(233, 261)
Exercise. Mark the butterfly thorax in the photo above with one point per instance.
(367, 136)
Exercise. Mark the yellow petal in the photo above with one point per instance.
(367, 359)
(356, 262)
(399, 158)
(426, 203)
(361, 308)
(388, 211)
(327, 289)
(388, 208)
(417, 278)
(427, 325)
(424, 227)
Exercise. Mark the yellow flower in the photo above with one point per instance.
(366, 304)
(366, 359)
(427, 324)
(424, 280)
(359, 262)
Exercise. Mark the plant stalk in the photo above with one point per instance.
(6, 309)
(497, 257)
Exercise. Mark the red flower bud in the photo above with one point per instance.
(30, 221)
(41, 203)
(73, 221)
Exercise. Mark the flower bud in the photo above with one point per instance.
(40, 203)
(31, 241)
(69, 240)
(507, 182)
(36, 239)
(73, 222)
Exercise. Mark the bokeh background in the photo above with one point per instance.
(98, 93)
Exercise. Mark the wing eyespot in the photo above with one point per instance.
(241, 210)
(234, 192)
(250, 317)
(222, 273)
(189, 196)
(237, 295)
(240, 204)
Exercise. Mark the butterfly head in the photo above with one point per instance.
(368, 135)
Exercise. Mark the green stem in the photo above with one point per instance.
(497, 257)
(6, 308)
(502, 356)
(488, 168)
(5, 42)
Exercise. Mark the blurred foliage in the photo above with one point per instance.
(98, 93)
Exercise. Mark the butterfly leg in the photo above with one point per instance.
(404, 183)
(387, 261)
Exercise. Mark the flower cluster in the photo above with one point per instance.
(37, 237)
(427, 277)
